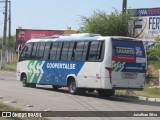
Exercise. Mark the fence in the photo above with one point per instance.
(11, 56)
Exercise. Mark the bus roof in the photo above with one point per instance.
(63, 39)
(81, 37)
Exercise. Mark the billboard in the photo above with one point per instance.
(145, 23)
(23, 35)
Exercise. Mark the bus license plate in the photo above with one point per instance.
(129, 75)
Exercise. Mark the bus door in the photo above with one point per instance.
(128, 64)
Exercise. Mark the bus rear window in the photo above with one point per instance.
(127, 50)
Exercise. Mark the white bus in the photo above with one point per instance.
(84, 63)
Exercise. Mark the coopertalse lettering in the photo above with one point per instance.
(61, 65)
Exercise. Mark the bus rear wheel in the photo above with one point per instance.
(74, 90)
(106, 93)
(72, 87)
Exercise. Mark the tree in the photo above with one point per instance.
(154, 53)
(114, 24)
(13, 41)
(158, 38)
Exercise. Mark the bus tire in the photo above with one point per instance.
(24, 81)
(72, 87)
(106, 93)
(90, 90)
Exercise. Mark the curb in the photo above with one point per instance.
(142, 98)
(149, 99)
(157, 99)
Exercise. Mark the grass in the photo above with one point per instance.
(10, 67)
(152, 92)
(156, 64)
(4, 107)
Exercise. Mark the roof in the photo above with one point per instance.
(80, 37)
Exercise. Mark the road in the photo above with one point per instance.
(43, 98)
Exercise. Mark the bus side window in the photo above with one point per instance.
(40, 51)
(33, 56)
(64, 54)
(85, 49)
(79, 51)
(101, 52)
(70, 51)
(74, 51)
(59, 49)
(53, 51)
(46, 51)
(37, 51)
(94, 51)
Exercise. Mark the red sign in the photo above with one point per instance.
(23, 35)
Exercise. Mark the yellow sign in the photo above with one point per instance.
(70, 31)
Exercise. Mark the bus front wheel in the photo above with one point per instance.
(24, 81)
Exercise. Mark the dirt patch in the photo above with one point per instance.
(8, 74)
(152, 75)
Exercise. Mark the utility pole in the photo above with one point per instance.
(124, 6)
(3, 58)
(9, 32)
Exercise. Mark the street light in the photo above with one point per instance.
(124, 6)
